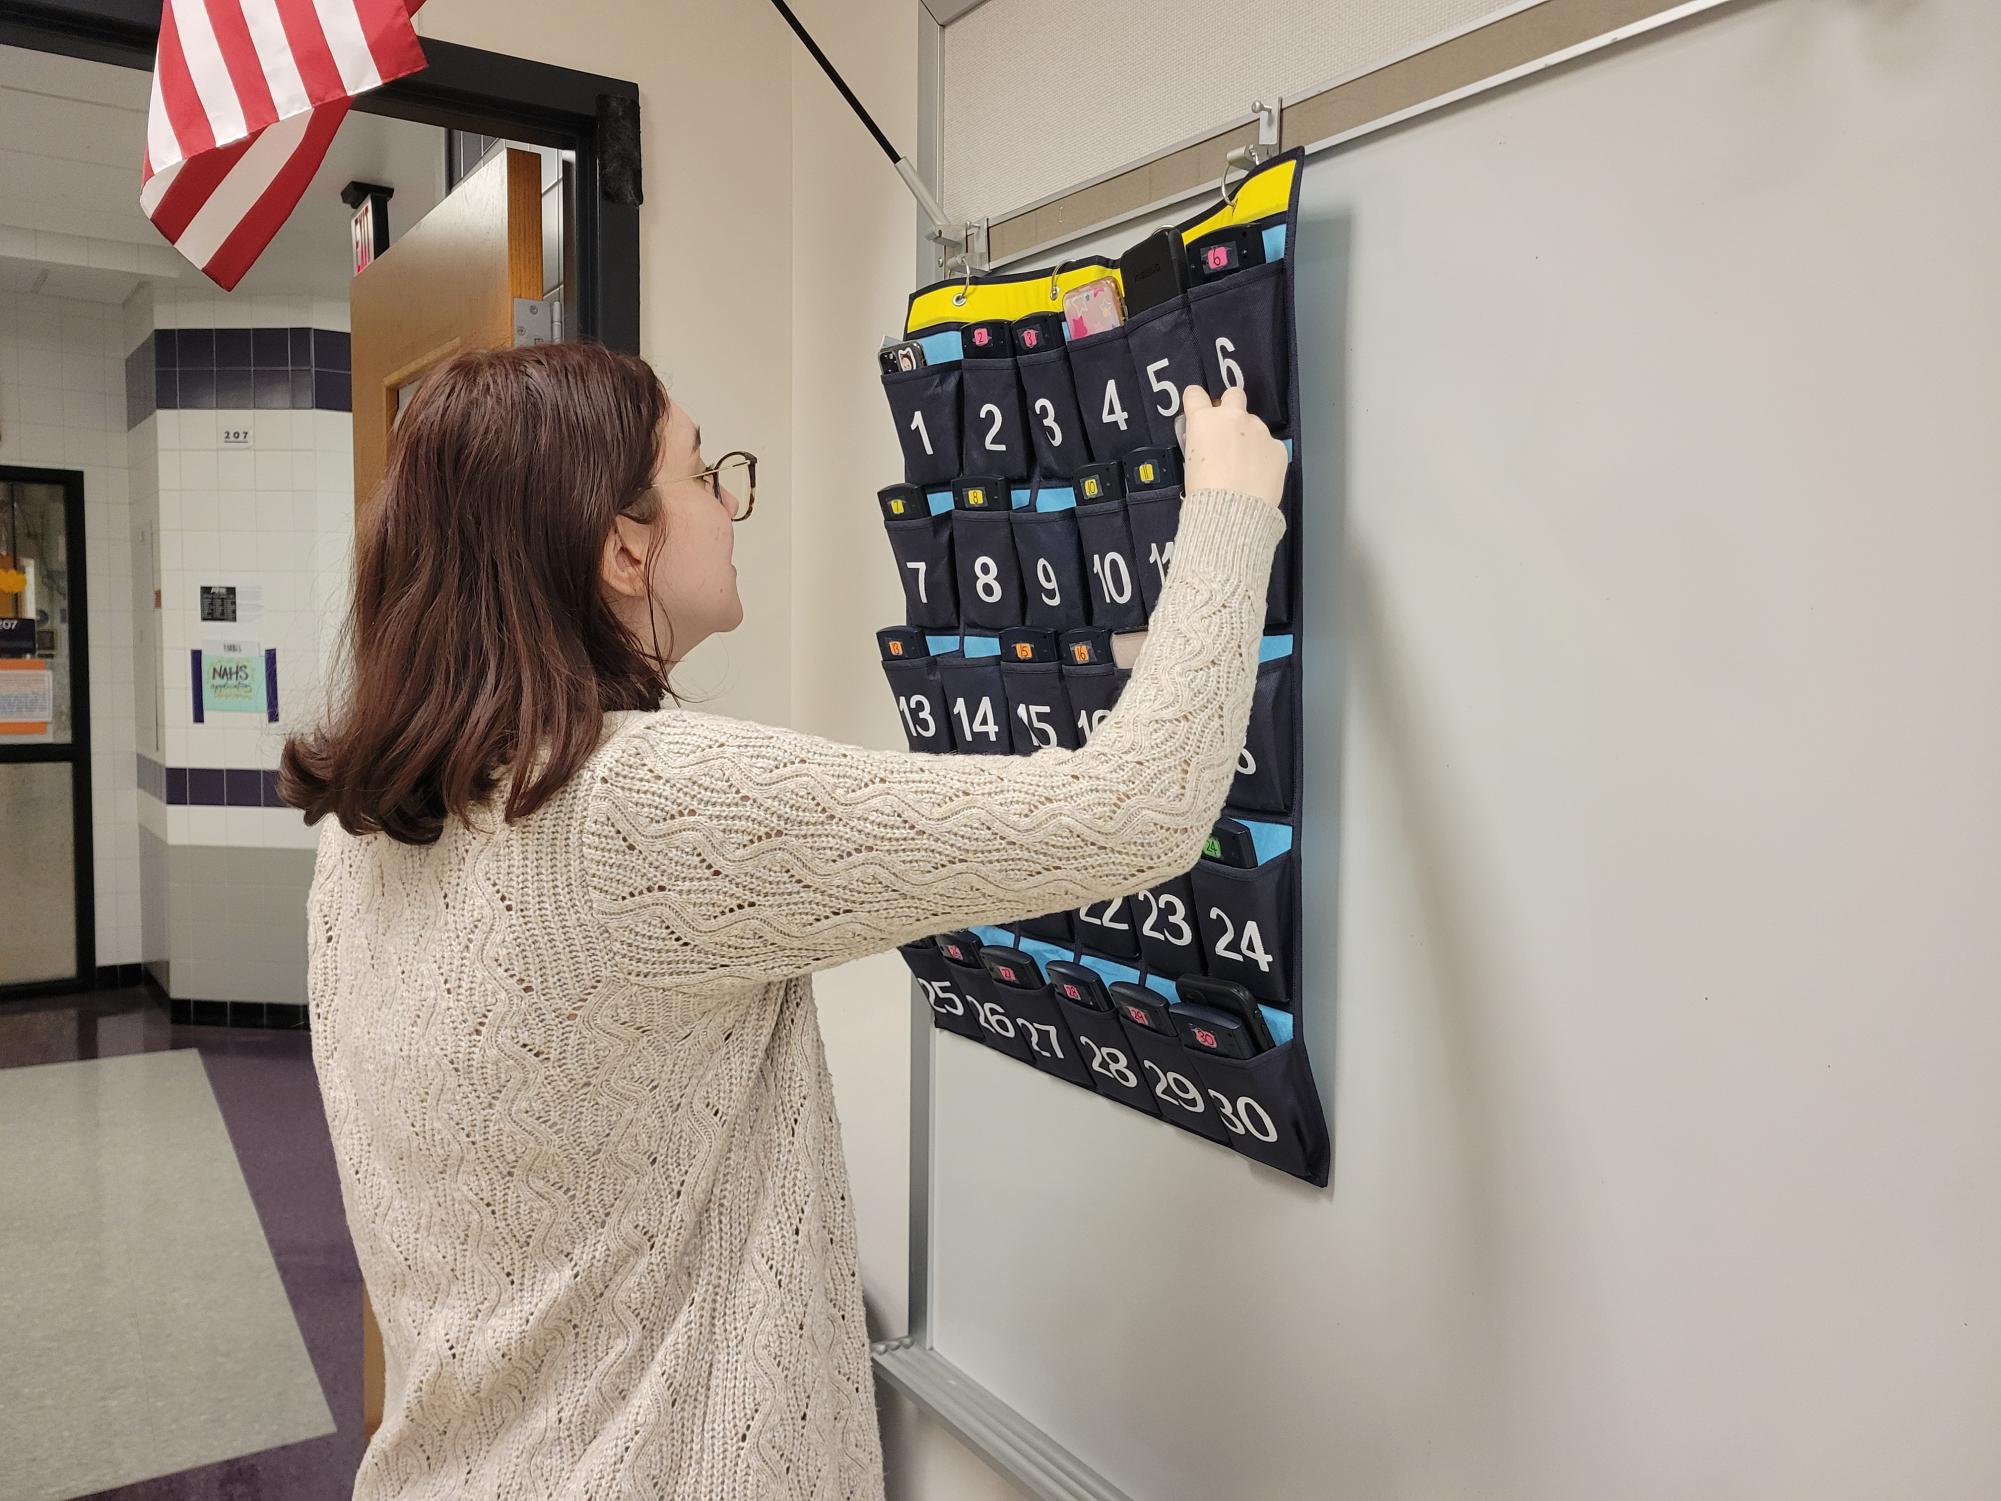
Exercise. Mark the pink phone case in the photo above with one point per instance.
(1092, 309)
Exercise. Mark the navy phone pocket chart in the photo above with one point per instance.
(1032, 532)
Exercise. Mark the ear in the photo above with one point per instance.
(623, 568)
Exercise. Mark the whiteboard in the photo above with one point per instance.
(1656, 651)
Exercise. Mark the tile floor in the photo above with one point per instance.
(264, 1087)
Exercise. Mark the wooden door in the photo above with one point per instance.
(449, 283)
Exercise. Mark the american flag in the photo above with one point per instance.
(247, 95)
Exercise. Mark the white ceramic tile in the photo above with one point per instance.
(194, 511)
(236, 469)
(333, 432)
(208, 825)
(197, 430)
(198, 469)
(274, 471)
(236, 552)
(305, 473)
(199, 552)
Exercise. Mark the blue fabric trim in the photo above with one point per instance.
(1109, 969)
(1056, 498)
(941, 644)
(1270, 840)
(1278, 1023)
(1041, 950)
(1019, 498)
(940, 502)
(1164, 985)
(1271, 648)
(946, 347)
(981, 646)
(1275, 242)
(1288, 447)
(1000, 936)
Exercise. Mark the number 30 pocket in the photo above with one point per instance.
(1269, 1108)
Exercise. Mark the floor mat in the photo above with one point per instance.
(145, 1328)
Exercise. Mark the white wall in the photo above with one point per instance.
(62, 406)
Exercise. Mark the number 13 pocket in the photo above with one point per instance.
(1052, 566)
(1245, 916)
(920, 704)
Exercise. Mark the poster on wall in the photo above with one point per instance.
(27, 696)
(235, 677)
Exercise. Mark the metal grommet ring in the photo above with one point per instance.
(1055, 287)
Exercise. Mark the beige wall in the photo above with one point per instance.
(772, 224)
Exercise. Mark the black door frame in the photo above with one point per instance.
(77, 752)
(463, 88)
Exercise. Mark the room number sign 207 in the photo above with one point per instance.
(236, 437)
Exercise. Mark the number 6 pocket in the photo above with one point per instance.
(1052, 564)
(1244, 917)
(922, 545)
(1038, 710)
(950, 1010)
(989, 577)
(1241, 338)
(1264, 765)
(1269, 1108)
(994, 439)
(1055, 427)
(975, 701)
(1116, 601)
(925, 404)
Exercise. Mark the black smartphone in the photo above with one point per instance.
(960, 947)
(1224, 252)
(981, 492)
(1097, 482)
(1025, 643)
(904, 356)
(1154, 271)
(1079, 984)
(1142, 1007)
(1204, 1029)
(902, 501)
(899, 643)
(1037, 332)
(1153, 469)
(1089, 645)
(991, 340)
(1230, 843)
(1011, 967)
(1233, 999)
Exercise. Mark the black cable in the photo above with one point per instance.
(839, 82)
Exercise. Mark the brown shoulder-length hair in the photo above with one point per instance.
(481, 647)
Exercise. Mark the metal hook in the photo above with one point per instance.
(959, 297)
(1252, 156)
(1055, 287)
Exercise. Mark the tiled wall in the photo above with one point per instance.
(62, 406)
(273, 514)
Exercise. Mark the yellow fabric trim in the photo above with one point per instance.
(1264, 195)
(1002, 299)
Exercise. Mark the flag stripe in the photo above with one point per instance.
(191, 185)
(239, 55)
(191, 132)
(281, 69)
(208, 73)
(309, 46)
(350, 44)
(292, 165)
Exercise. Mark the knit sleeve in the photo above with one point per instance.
(716, 847)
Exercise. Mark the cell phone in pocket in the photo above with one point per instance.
(1037, 332)
(1093, 308)
(1154, 271)
(982, 492)
(1227, 998)
(1230, 843)
(1011, 967)
(1096, 482)
(1152, 469)
(1087, 647)
(1226, 251)
(1142, 1007)
(1027, 644)
(1204, 1029)
(899, 643)
(1078, 984)
(960, 947)
(990, 340)
(904, 356)
(901, 502)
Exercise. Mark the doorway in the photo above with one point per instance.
(47, 885)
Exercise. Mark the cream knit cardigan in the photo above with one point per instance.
(574, 1077)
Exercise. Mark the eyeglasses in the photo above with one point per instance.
(733, 481)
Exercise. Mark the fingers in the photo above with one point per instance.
(1195, 397)
(1235, 400)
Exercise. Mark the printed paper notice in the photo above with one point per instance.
(27, 697)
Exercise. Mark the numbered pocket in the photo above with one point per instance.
(1051, 927)
(989, 576)
(1264, 781)
(1269, 1108)
(920, 703)
(924, 404)
(922, 545)
(1115, 1070)
(1093, 689)
(993, 1022)
(1153, 517)
(1169, 940)
(1038, 709)
(1054, 595)
(1055, 426)
(1046, 1029)
(1241, 337)
(1108, 395)
(1162, 342)
(994, 438)
(950, 1010)
(975, 703)
(1109, 927)
(1279, 594)
(1109, 569)
(1169, 1075)
(1244, 918)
